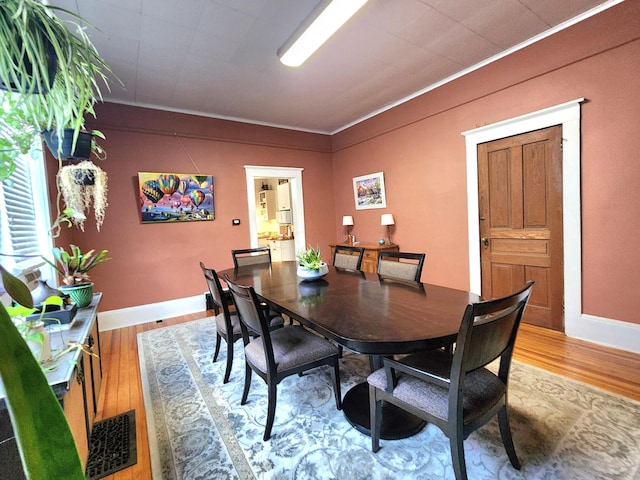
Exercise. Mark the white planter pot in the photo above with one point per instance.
(310, 275)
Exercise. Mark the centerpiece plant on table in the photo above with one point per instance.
(74, 268)
(310, 264)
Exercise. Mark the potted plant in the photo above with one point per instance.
(310, 264)
(82, 186)
(32, 326)
(65, 149)
(41, 53)
(74, 269)
(47, 448)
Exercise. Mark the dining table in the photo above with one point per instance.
(365, 314)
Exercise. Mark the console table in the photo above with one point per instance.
(371, 253)
(76, 382)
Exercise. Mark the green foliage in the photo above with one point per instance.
(47, 448)
(16, 289)
(310, 258)
(30, 36)
(74, 267)
(16, 133)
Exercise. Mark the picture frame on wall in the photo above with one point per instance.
(175, 197)
(368, 191)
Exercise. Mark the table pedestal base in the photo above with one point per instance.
(396, 423)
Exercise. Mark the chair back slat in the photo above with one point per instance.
(215, 287)
(246, 306)
(403, 266)
(348, 257)
(488, 330)
(251, 256)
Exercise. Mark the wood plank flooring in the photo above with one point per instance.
(606, 368)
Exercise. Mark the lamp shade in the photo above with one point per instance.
(347, 220)
(387, 219)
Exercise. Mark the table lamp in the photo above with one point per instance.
(387, 219)
(347, 221)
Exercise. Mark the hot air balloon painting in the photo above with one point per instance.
(169, 183)
(197, 197)
(175, 197)
(185, 200)
(200, 179)
(151, 190)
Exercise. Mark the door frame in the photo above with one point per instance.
(297, 201)
(568, 116)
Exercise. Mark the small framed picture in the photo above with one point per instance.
(368, 191)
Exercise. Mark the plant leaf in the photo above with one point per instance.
(47, 448)
(16, 289)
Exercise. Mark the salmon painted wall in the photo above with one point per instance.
(420, 149)
(159, 262)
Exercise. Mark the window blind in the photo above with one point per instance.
(24, 216)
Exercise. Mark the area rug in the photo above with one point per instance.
(198, 429)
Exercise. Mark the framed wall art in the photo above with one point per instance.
(368, 191)
(175, 197)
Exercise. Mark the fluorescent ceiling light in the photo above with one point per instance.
(323, 22)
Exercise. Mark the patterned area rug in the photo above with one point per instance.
(198, 429)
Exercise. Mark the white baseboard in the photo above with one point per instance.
(606, 331)
(125, 317)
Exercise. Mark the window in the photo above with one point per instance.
(24, 215)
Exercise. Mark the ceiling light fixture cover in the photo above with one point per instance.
(316, 29)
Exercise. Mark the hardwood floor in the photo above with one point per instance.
(606, 368)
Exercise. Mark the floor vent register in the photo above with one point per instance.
(113, 445)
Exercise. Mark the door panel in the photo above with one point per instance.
(520, 202)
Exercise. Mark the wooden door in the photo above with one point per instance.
(520, 203)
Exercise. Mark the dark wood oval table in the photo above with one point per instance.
(365, 315)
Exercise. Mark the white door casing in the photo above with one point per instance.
(567, 115)
(606, 331)
(295, 178)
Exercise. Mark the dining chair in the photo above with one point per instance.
(275, 355)
(348, 257)
(227, 322)
(251, 256)
(455, 391)
(400, 266)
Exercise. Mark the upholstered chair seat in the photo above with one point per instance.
(455, 391)
(275, 355)
(287, 353)
(482, 388)
(226, 319)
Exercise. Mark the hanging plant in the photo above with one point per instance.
(84, 186)
(55, 71)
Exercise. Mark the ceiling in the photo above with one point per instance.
(218, 57)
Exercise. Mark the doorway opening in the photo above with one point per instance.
(260, 222)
